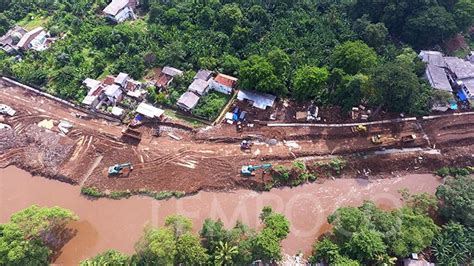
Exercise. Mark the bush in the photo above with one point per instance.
(92, 192)
(337, 165)
(120, 195)
(281, 174)
(454, 171)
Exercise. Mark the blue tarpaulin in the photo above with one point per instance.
(462, 95)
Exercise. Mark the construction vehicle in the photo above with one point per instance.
(118, 168)
(379, 139)
(408, 138)
(359, 128)
(246, 145)
(248, 170)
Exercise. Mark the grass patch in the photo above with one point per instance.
(210, 106)
(162, 194)
(189, 120)
(32, 21)
(120, 195)
(117, 195)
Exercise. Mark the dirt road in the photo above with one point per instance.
(211, 158)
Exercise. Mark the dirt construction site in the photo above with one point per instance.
(211, 158)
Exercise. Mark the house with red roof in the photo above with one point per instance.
(223, 83)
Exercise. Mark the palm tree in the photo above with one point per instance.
(224, 253)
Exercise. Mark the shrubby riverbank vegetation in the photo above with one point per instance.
(333, 52)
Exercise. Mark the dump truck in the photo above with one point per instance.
(5, 109)
(379, 139)
(408, 138)
(249, 170)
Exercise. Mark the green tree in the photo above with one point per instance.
(212, 233)
(310, 83)
(325, 251)
(178, 224)
(429, 27)
(352, 90)
(365, 246)
(281, 62)
(157, 246)
(225, 253)
(229, 16)
(109, 257)
(416, 233)
(464, 14)
(16, 249)
(354, 57)
(4, 24)
(456, 198)
(396, 87)
(279, 224)
(347, 221)
(256, 73)
(190, 251)
(454, 245)
(267, 246)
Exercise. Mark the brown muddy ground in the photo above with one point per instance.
(209, 159)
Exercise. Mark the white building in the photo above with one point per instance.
(120, 10)
(223, 83)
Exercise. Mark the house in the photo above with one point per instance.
(121, 79)
(436, 70)
(150, 111)
(463, 73)
(203, 74)
(113, 93)
(223, 83)
(166, 75)
(199, 86)
(91, 84)
(188, 101)
(9, 41)
(120, 10)
(25, 42)
(258, 100)
(91, 101)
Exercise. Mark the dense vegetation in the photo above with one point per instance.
(31, 235)
(335, 52)
(368, 235)
(175, 244)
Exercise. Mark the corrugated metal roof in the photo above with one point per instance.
(115, 6)
(188, 100)
(260, 100)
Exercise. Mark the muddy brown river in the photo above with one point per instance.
(117, 224)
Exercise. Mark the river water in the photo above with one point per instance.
(106, 224)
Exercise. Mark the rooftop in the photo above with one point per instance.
(92, 84)
(115, 6)
(203, 74)
(149, 110)
(226, 80)
(171, 71)
(199, 86)
(438, 78)
(28, 35)
(462, 68)
(189, 100)
(121, 78)
(113, 90)
(259, 100)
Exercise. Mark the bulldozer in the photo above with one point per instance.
(118, 168)
(249, 170)
(359, 128)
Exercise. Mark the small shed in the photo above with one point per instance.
(258, 100)
(188, 101)
(171, 71)
(117, 111)
(150, 111)
(199, 86)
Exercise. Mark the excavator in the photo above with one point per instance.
(248, 170)
(118, 168)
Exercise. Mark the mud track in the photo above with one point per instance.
(208, 159)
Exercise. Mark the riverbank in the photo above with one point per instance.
(106, 223)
